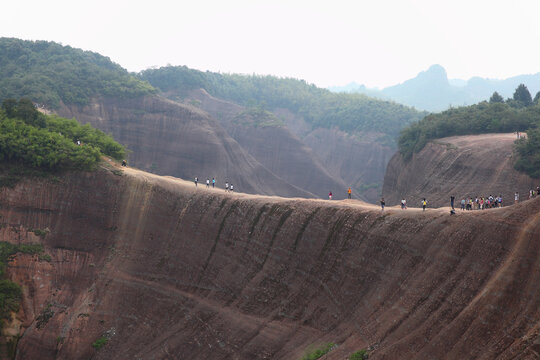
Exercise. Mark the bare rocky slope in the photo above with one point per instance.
(463, 166)
(168, 271)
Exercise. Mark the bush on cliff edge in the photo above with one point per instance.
(49, 143)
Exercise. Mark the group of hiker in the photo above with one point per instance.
(403, 204)
(479, 202)
(228, 187)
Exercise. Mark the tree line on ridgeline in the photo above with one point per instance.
(521, 113)
(49, 73)
(319, 107)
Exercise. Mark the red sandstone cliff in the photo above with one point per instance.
(167, 271)
(169, 138)
(463, 166)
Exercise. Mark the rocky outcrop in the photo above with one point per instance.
(169, 138)
(160, 269)
(462, 166)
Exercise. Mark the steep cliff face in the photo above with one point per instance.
(166, 270)
(358, 159)
(463, 166)
(274, 146)
(168, 138)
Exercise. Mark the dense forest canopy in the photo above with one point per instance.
(319, 107)
(50, 143)
(48, 73)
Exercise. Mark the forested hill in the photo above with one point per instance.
(319, 107)
(47, 73)
(520, 113)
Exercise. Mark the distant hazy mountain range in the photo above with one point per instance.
(431, 90)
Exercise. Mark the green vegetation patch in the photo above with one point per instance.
(43, 318)
(49, 73)
(319, 352)
(528, 151)
(49, 143)
(359, 355)
(258, 117)
(100, 342)
(10, 292)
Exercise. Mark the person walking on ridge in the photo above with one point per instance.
(226, 186)
(232, 188)
(349, 192)
(196, 181)
(424, 204)
(330, 195)
(452, 198)
(207, 183)
(213, 182)
(403, 204)
(382, 204)
(516, 197)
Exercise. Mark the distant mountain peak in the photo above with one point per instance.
(435, 72)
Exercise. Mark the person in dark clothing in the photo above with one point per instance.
(452, 198)
(382, 204)
(196, 181)
(124, 163)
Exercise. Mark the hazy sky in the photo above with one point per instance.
(375, 42)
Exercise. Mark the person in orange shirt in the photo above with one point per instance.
(349, 192)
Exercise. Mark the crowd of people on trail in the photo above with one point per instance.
(478, 203)
(228, 187)
(489, 202)
(466, 203)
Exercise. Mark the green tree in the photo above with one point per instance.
(529, 153)
(26, 111)
(10, 107)
(496, 98)
(536, 98)
(523, 95)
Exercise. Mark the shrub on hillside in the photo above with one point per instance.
(10, 292)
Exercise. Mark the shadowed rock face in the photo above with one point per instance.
(168, 138)
(269, 141)
(317, 160)
(463, 166)
(170, 271)
(358, 159)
